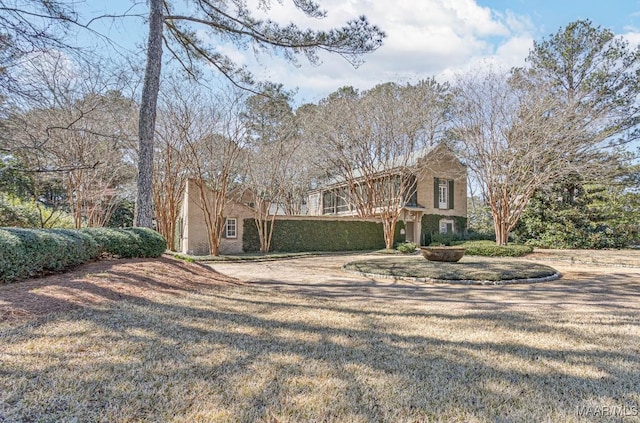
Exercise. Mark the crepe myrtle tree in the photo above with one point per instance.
(371, 141)
(230, 20)
(516, 139)
(213, 148)
(564, 116)
(178, 120)
(270, 150)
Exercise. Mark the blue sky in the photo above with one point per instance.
(439, 38)
(548, 16)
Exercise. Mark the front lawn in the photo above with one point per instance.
(235, 352)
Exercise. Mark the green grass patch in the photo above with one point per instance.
(467, 269)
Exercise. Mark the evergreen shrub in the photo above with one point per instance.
(26, 253)
(319, 235)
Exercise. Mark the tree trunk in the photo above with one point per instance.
(502, 232)
(264, 223)
(146, 126)
(388, 227)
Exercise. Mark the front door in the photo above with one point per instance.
(409, 231)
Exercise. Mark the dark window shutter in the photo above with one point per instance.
(224, 228)
(436, 192)
(451, 192)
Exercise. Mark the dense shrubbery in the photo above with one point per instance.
(29, 252)
(21, 213)
(491, 249)
(406, 247)
(575, 215)
(318, 235)
(130, 242)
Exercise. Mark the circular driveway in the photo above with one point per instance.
(582, 288)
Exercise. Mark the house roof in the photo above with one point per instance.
(384, 167)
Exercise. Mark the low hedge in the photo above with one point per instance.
(26, 253)
(129, 242)
(491, 249)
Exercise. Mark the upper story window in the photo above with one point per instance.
(411, 192)
(342, 203)
(335, 201)
(443, 193)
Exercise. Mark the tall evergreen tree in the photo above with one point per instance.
(229, 20)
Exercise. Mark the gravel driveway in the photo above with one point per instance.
(582, 287)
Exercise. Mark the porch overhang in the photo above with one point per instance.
(414, 209)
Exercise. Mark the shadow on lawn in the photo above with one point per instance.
(348, 353)
(584, 292)
(105, 281)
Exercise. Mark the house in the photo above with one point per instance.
(440, 193)
(193, 229)
(438, 203)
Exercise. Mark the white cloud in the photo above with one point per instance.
(632, 36)
(424, 39)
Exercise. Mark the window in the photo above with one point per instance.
(443, 194)
(342, 205)
(411, 192)
(230, 228)
(446, 226)
(335, 201)
(328, 202)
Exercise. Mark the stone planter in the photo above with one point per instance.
(450, 254)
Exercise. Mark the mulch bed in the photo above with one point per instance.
(105, 281)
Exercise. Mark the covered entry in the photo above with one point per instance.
(412, 217)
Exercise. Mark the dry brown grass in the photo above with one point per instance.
(257, 353)
(626, 258)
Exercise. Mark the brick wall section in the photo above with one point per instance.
(443, 165)
(194, 229)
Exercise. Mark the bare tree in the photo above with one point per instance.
(170, 164)
(373, 141)
(305, 170)
(213, 144)
(76, 124)
(267, 173)
(231, 20)
(516, 138)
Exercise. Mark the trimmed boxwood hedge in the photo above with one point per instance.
(491, 249)
(319, 235)
(129, 242)
(30, 252)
